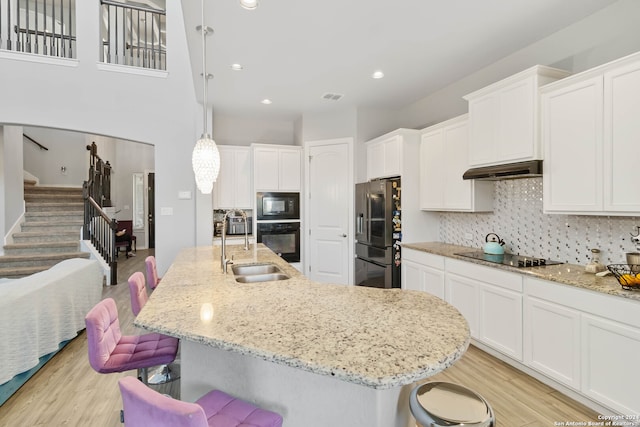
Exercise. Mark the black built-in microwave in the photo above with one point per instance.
(277, 206)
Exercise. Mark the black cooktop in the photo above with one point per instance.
(519, 261)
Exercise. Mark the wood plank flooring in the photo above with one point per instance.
(68, 392)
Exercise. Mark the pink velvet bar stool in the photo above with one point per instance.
(144, 406)
(138, 292)
(152, 272)
(110, 351)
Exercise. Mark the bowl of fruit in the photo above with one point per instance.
(628, 275)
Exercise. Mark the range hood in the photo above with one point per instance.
(528, 169)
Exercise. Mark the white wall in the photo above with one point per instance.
(228, 130)
(11, 178)
(83, 95)
(65, 148)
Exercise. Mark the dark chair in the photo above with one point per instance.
(126, 225)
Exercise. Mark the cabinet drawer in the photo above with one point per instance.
(494, 276)
(423, 258)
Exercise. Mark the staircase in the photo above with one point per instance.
(50, 233)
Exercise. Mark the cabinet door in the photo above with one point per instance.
(622, 139)
(454, 162)
(243, 179)
(223, 196)
(411, 276)
(393, 156)
(502, 332)
(290, 169)
(265, 168)
(483, 114)
(461, 293)
(552, 340)
(572, 139)
(609, 363)
(432, 167)
(516, 133)
(375, 160)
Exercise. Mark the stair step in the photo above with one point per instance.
(53, 207)
(59, 236)
(50, 227)
(38, 189)
(54, 216)
(16, 273)
(57, 198)
(40, 248)
(35, 260)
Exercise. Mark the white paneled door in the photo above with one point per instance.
(329, 207)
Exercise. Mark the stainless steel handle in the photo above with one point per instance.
(359, 223)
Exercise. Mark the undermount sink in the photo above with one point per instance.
(253, 273)
(261, 278)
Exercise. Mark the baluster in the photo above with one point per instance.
(71, 49)
(63, 51)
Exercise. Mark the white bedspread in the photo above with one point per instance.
(40, 311)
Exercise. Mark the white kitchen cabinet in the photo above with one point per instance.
(590, 134)
(384, 157)
(443, 160)
(423, 271)
(277, 167)
(552, 340)
(609, 357)
(233, 188)
(504, 119)
(586, 340)
(479, 293)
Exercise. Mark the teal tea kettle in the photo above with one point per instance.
(494, 245)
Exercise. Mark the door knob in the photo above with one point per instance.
(343, 235)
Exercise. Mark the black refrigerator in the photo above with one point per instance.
(378, 233)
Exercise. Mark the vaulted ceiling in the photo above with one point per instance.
(295, 51)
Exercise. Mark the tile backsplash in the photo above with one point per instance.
(518, 219)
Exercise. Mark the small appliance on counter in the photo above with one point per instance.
(494, 245)
(235, 223)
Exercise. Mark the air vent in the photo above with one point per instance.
(332, 96)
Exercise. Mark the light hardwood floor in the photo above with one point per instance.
(67, 392)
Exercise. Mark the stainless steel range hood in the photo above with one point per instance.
(528, 169)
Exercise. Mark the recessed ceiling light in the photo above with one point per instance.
(266, 101)
(236, 67)
(249, 4)
(377, 75)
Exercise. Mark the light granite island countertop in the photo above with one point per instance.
(319, 354)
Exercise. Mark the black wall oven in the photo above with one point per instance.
(283, 238)
(277, 206)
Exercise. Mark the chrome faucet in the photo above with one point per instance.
(224, 261)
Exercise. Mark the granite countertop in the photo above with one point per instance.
(568, 274)
(379, 338)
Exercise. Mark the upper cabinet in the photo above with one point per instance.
(503, 118)
(590, 132)
(233, 188)
(277, 167)
(384, 157)
(443, 159)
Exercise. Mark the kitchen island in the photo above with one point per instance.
(318, 354)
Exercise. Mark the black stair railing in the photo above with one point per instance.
(98, 228)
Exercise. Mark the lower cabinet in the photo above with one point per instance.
(491, 301)
(585, 340)
(610, 373)
(552, 340)
(422, 271)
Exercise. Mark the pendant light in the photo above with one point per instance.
(206, 157)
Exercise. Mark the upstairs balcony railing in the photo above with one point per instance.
(130, 34)
(42, 27)
(133, 35)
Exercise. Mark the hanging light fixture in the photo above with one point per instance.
(249, 4)
(206, 157)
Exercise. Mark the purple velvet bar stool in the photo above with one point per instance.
(144, 406)
(138, 292)
(110, 351)
(152, 272)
